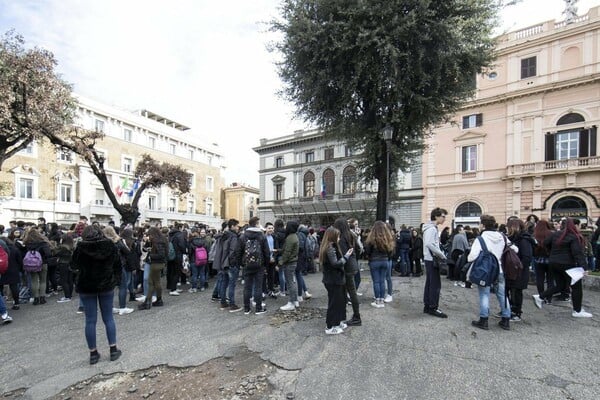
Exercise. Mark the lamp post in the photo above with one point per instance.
(387, 134)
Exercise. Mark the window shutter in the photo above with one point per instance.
(479, 120)
(465, 122)
(464, 159)
(593, 141)
(584, 143)
(550, 146)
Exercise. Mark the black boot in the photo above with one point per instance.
(131, 297)
(505, 324)
(354, 321)
(114, 353)
(145, 306)
(43, 300)
(481, 324)
(158, 302)
(36, 301)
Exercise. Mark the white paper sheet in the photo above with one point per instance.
(576, 274)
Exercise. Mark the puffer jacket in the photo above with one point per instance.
(98, 266)
(333, 267)
(568, 253)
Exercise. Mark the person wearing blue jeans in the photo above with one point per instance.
(90, 306)
(198, 276)
(216, 295)
(124, 286)
(388, 280)
(4, 317)
(484, 299)
(379, 247)
(379, 270)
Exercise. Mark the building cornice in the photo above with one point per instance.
(289, 141)
(311, 165)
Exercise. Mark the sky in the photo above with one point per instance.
(203, 63)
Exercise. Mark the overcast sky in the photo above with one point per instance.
(203, 63)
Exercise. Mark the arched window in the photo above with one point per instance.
(569, 206)
(468, 209)
(349, 180)
(328, 183)
(571, 118)
(309, 184)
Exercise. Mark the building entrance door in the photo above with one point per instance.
(569, 207)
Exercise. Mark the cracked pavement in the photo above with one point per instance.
(398, 352)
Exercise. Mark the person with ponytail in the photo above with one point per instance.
(566, 252)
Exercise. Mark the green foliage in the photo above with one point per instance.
(352, 67)
(34, 100)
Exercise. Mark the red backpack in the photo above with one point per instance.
(200, 256)
(3, 260)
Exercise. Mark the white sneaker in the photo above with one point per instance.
(359, 293)
(334, 330)
(375, 304)
(300, 299)
(462, 284)
(381, 304)
(116, 310)
(455, 283)
(288, 307)
(6, 319)
(538, 301)
(307, 295)
(141, 299)
(343, 325)
(174, 293)
(388, 298)
(192, 290)
(63, 300)
(126, 310)
(179, 290)
(254, 304)
(296, 304)
(581, 314)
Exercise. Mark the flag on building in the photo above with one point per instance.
(323, 191)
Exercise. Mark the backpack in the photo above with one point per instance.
(32, 262)
(484, 269)
(172, 254)
(3, 260)
(311, 246)
(200, 256)
(253, 254)
(511, 263)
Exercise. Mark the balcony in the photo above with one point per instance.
(556, 166)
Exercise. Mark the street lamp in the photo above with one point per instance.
(387, 134)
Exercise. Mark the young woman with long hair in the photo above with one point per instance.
(543, 230)
(566, 252)
(348, 241)
(35, 241)
(518, 235)
(124, 252)
(379, 247)
(334, 277)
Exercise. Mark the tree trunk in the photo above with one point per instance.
(129, 214)
(382, 187)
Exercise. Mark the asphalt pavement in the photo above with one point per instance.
(398, 352)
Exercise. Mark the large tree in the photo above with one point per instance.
(34, 100)
(353, 67)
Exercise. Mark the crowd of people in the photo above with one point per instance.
(36, 261)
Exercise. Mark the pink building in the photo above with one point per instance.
(527, 143)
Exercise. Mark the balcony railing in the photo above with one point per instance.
(573, 164)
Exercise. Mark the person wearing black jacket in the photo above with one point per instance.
(97, 262)
(279, 236)
(416, 253)
(518, 235)
(330, 257)
(176, 238)
(231, 257)
(156, 245)
(15, 265)
(35, 241)
(255, 258)
(566, 252)
(347, 242)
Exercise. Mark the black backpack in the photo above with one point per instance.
(253, 253)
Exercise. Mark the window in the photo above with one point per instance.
(349, 180)
(309, 184)
(472, 121)
(29, 149)
(469, 158)
(99, 197)
(25, 188)
(209, 209)
(468, 209)
(210, 186)
(571, 143)
(99, 125)
(328, 183)
(127, 164)
(192, 180)
(279, 191)
(191, 207)
(309, 156)
(151, 202)
(66, 193)
(172, 148)
(570, 118)
(279, 162)
(528, 67)
(127, 135)
(567, 145)
(348, 151)
(65, 155)
(329, 153)
(152, 142)
(172, 205)
(191, 154)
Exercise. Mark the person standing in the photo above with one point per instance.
(431, 249)
(98, 264)
(288, 262)
(156, 246)
(255, 258)
(123, 251)
(347, 242)
(416, 253)
(566, 252)
(519, 236)
(34, 242)
(379, 247)
(231, 256)
(177, 239)
(332, 260)
(543, 278)
(64, 253)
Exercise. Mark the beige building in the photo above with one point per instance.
(240, 202)
(42, 181)
(527, 143)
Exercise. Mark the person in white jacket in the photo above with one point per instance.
(494, 242)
